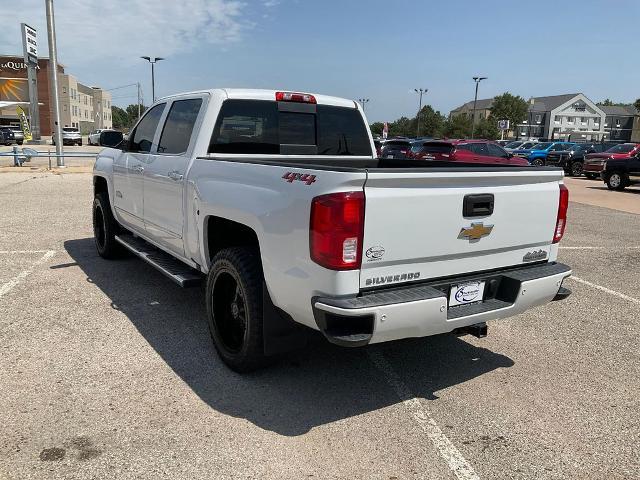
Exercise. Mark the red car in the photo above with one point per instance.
(467, 151)
(593, 162)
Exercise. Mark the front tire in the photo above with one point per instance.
(576, 168)
(538, 162)
(105, 228)
(616, 181)
(234, 308)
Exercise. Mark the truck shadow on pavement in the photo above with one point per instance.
(304, 389)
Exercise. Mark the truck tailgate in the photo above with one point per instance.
(415, 228)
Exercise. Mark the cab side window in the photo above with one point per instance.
(178, 127)
(143, 136)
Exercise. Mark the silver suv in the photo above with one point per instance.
(70, 136)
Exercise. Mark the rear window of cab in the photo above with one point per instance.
(265, 127)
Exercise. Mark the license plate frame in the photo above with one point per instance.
(466, 293)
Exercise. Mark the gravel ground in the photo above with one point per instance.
(108, 372)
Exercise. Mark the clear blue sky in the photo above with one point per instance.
(376, 49)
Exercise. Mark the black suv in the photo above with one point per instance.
(9, 136)
(572, 160)
(619, 174)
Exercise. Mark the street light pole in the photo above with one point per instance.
(152, 61)
(475, 100)
(363, 101)
(419, 91)
(53, 80)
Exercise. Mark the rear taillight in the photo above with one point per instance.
(561, 222)
(336, 230)
(295, 97)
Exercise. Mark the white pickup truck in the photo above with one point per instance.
(278, 202)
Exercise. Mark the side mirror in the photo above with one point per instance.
(111, 139)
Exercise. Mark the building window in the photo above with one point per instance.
(538, 118)
(64, 89)
(557, 119)
(583, 120)
(569, 119)
(617, 123)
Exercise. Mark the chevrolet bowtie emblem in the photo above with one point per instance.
(475, 232)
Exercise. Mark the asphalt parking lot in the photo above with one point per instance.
(108, 371)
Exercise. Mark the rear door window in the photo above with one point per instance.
(496, 151)
(259, 127)
(438, 147)
(480, 149)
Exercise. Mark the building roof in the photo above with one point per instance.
(619, 110)
(540, 104)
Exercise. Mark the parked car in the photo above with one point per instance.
(94, 137)
(503, 143)
(70, 136)
(396, 148)
(12, 135)
(292, 222)
(537, 154)
(468, 151)
(520, 145)
(594, 162)
(620, 173)
(572, 159)
(2, 138)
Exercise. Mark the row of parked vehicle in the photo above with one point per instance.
(613, 162)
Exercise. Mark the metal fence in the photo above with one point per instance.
(21, 156)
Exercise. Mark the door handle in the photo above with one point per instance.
(138, 168)
(175, 175)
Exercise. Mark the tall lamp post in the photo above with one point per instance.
(419, 91)
(475, 100)
(363, 101)
(152, 61)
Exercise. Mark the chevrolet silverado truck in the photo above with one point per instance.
(278, 204)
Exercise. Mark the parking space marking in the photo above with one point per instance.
(18, 252)
(8, 286)
(598, 248)
(605, 289)
(447, 450)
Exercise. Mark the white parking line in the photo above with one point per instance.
(452, 456)
(8, 286)
(605, 289)
(598, 248)
(17, 252)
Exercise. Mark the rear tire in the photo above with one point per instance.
(616, 181)
(105, 228)
(234, 308)
(538, 162)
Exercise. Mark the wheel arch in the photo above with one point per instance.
(220, 233)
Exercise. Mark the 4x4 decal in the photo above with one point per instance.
(302, 177)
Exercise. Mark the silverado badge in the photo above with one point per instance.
(475, 232)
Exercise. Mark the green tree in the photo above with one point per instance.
(402, 127)
(431, 122)
(487, 128)
(610, 103)
(637, 104)
(508, 107)
(120, 117)
(458, 127)
(376, 128)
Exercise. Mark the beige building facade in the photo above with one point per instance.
(83, 107)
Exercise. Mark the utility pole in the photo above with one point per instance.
(53, 81)
(363, 101)
(138, 84)
(419, 91)
(475, 100)
(153, 61)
